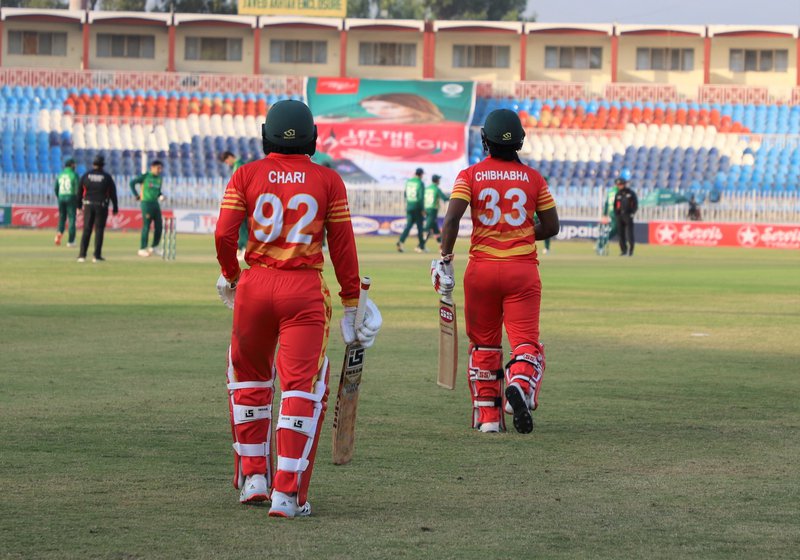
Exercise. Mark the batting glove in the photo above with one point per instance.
(226, 291)
(443, 276)
(366, 333)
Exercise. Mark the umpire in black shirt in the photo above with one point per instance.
(96, 189)
(625, 206)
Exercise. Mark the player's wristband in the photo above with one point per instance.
(447, 259)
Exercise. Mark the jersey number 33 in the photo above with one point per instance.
(513, 200)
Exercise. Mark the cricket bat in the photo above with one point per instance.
(448, 343)
(344, 413)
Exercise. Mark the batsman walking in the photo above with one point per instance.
(283, 299)
(501, 282)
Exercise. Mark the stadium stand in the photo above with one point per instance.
(43, 126)
(688, 147)
(703, 149)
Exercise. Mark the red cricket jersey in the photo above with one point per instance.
(289, 203)
(503, 198)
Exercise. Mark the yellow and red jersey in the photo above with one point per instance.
(503, 198)
(289, 203)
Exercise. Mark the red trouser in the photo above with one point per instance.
(502, 292)
(291, 308)
(497, 293)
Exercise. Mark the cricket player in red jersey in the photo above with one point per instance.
(501, 283)
(282, 298)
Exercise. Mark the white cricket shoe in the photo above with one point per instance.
(81, 259)
(254, 489)
(158, 251)
(150, 250)
(73, 244)
(143, 253)
(285, 505)
(490, 427)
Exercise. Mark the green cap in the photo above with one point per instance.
(504, 128)
(290, 124)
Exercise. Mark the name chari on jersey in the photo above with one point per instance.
(503, 198)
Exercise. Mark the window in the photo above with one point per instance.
(575, 58)
(681, 60)
(213, 48)
(746, 60)
(308, 52)
(126, 46)
(387, 54)
(481, 56)
(37, 43)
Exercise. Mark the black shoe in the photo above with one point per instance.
(623, 254)
(399, 247)
(523, 421)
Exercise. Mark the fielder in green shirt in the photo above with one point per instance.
(67, 195)
(415, 210)
(608, 228)
(151, 209)
(229, 158)
(433, 194)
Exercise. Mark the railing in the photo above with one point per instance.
(575, 202)
(586, 202)
(294, 85)
(666, 93)
(733, 94)
(710, 93)
(184, 192)
(169, 81)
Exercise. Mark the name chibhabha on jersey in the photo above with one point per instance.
(493, 175)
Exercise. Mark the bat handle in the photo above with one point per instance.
(366, 282)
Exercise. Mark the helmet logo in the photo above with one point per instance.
(506, 136)
(289, 134)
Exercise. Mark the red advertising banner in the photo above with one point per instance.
(701, 234)
(47, 217)
(369, 152)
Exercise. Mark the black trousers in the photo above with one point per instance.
(94, 217)
(626, 239)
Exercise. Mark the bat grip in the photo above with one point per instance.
(366, 281)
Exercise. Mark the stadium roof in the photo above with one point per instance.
(300, 21)
(76, 16)
(567, 28)
(653, 29)
(215, 19)
(471, 25)
(396, 24)
(753, 30)
(130, 17)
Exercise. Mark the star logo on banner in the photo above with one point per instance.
(665, 234)
(748, 236)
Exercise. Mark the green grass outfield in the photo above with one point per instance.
(668, 425)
